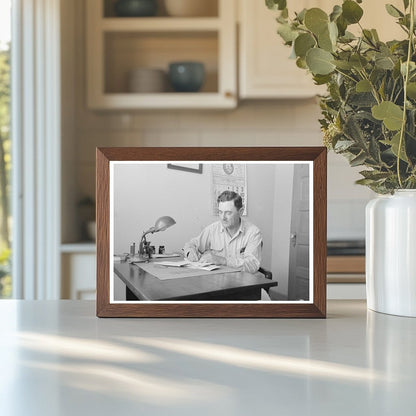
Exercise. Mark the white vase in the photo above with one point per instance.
(391, 253)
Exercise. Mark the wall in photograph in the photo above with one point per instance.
(144, 193)
(281, 226)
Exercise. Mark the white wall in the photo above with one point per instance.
(281, 226)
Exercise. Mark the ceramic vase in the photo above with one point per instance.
(391, 253)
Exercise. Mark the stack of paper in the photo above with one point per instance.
(190, 264)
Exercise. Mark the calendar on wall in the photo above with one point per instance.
(229, 177)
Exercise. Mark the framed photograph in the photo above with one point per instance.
(186, 167)
(163, 252)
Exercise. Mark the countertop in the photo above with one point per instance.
(57, 358)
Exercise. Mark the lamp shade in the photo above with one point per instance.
(163, 223)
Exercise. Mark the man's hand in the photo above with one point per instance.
(210, 257)
(192, 255)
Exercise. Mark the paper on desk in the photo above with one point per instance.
(190, 264)
(166, 255)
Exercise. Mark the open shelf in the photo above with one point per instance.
(118, 45)
(160, 24)
(210, 9)
(127, 51)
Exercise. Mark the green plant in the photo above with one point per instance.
(5, 279)
(369, 113)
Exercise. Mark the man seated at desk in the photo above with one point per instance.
(231, 241)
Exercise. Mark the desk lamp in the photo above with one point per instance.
(161, 224)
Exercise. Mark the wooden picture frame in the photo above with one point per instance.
(111, 162)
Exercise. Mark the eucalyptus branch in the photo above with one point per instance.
(373, 88)
(392, 91)
(405, 81)
(398, 95)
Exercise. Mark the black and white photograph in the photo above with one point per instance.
(216, 231)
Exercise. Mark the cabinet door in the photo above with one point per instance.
(266, 71)
(78, 276)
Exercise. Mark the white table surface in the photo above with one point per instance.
(57, 358)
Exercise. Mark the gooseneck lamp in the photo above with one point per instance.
(161, 224)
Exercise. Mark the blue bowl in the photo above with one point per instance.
(186, 76)
(135, 8)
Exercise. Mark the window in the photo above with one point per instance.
(5, 147)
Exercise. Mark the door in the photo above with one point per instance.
(299, 235)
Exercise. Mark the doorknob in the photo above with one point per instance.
(293, 239)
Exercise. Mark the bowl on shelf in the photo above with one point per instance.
(186, 76)
(191, 8)
(135, 8)
(147, 80)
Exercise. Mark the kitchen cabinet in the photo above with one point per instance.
(118, 45)
(265, 70)
(78, 263)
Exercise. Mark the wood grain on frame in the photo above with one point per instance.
(317, 309)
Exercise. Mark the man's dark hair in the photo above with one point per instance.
(231, 196)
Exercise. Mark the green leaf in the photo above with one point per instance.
(316, 20)
(281, 19)
(276, 4)
(374, 150)
(347, 37)
(411, 90)
(333, 32)
(325, 42)
(384, 62)
(394, 144)
(345, 65)
(393, 11)
(358, 61)
(362, 99)
(391, 114)
(412, 67)
(287, 33)
(336, 12)
(368, 36)
(319, 61)
(342, 25)
(406, 4)
(351, 11)
(321, 79)
(375, 35)
(363, 86)
(354, 132)
(301, 63)
(374, 174)
(396, 70)
(303, 43)
(301, 15)
(343, 145)
(358, 160)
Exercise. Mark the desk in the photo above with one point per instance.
(57, 358)
(220, 286)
